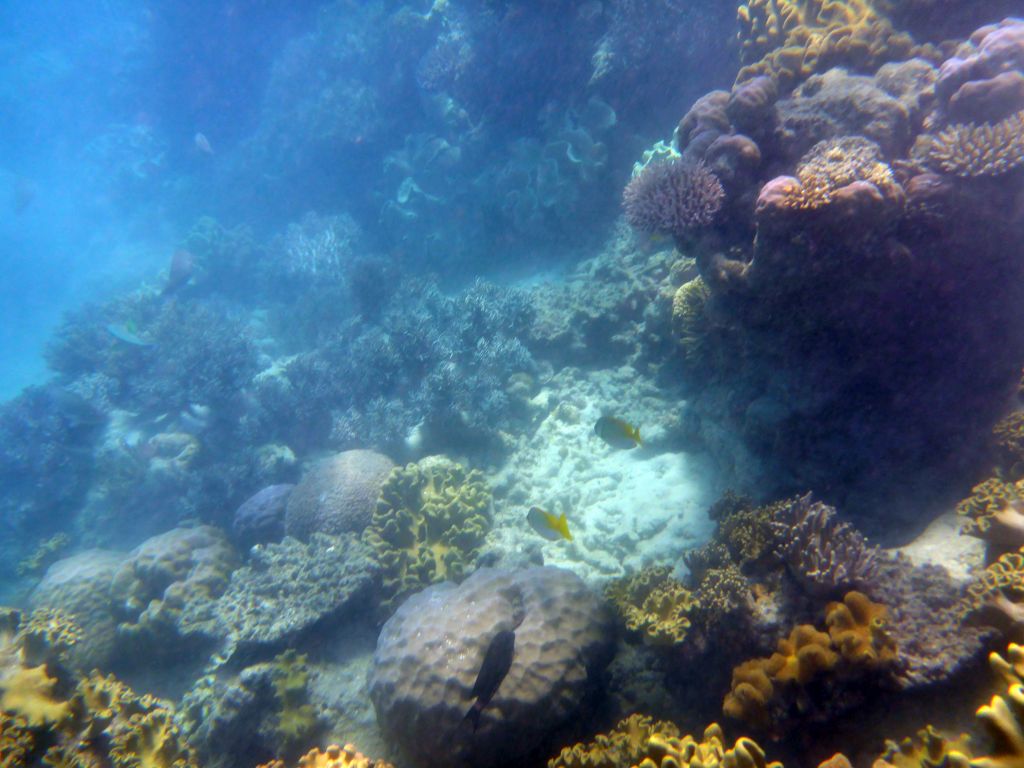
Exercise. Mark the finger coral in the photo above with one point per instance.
(672, 198)
(430, 522)
(653, 605)
(967, 149)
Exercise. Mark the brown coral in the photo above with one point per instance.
(858, 628)
(653, 605)
(967, 149)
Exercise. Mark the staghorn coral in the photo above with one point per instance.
(672, 197)
(967, 149)
(430, 522)
(332, 757)
(822, 553)
(791, 39)
(859, 630)
(993, 512)
(653, 604)
(625, 744)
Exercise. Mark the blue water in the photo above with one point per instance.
(308, 307)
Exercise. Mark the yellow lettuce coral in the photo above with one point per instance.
(979, 150)
(31, 692)
(998, 592)
(47, 635)
(150, 740)
(791, 39)
(430, 522)
(994, 512)
(332, 757)
(710, 752)
(625, 744)
(653, 605)
(929, 749)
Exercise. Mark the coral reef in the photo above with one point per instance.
(672, 198)
(824, 554)
(161, 577)
(429, 654)
(993, 513)
(284, 589)
(625, 744)
(775, 693)
(997, 592)
(928, 747)
(332, 757)
(429, 524)
(979, 150)
(652, 605)
(260, 518)
(337, 495)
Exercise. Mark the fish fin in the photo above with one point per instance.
(636, 436)
(563, 527)
(473, 716)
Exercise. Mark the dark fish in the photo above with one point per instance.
(183, 264)
(617, 433)
(497, 662)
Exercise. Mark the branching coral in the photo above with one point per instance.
(430, 522)
(980, 150)
(823, 554)
(653, 604)
(672, 198)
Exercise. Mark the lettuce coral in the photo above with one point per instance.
(994, 512)
(928, 749)
(626, 744)
(429, 525)
(332, 757)
(997, 595)
(968, 149)
(653, 605)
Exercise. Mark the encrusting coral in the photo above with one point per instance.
(967, 149)
(430, 522)
(653, 604)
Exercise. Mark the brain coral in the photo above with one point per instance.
(165, 573)
(286, 588)
(337, 495)
(80, 587)
(430, 522)
(429, 655)
(653, 605)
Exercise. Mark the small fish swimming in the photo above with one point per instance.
(127, 334)
(547, 525)
(203, 144)
(617, 433)
(497, 661)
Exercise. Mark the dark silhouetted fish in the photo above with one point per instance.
(183, 264)
(496, 664)
(617, 433)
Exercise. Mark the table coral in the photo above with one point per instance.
(429, 525)
(653, 604)
(974, 150)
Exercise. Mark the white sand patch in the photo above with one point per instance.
(626, 508)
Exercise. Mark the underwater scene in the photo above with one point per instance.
(512, 384)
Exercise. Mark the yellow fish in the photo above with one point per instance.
(617, 433)
(547, 525)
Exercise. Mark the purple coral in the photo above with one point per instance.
(672, 198)
(825, 555)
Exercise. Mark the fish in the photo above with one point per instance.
(203, 144)
(183, 264)
(617, 433)
(127, 334)
(547, 525)
(496, 664)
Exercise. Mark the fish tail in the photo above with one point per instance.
(563, 527)
(473, 716)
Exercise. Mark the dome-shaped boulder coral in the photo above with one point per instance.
(485, 673)
(337, 495)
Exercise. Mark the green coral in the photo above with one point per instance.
(653, 604)
(429, 525)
